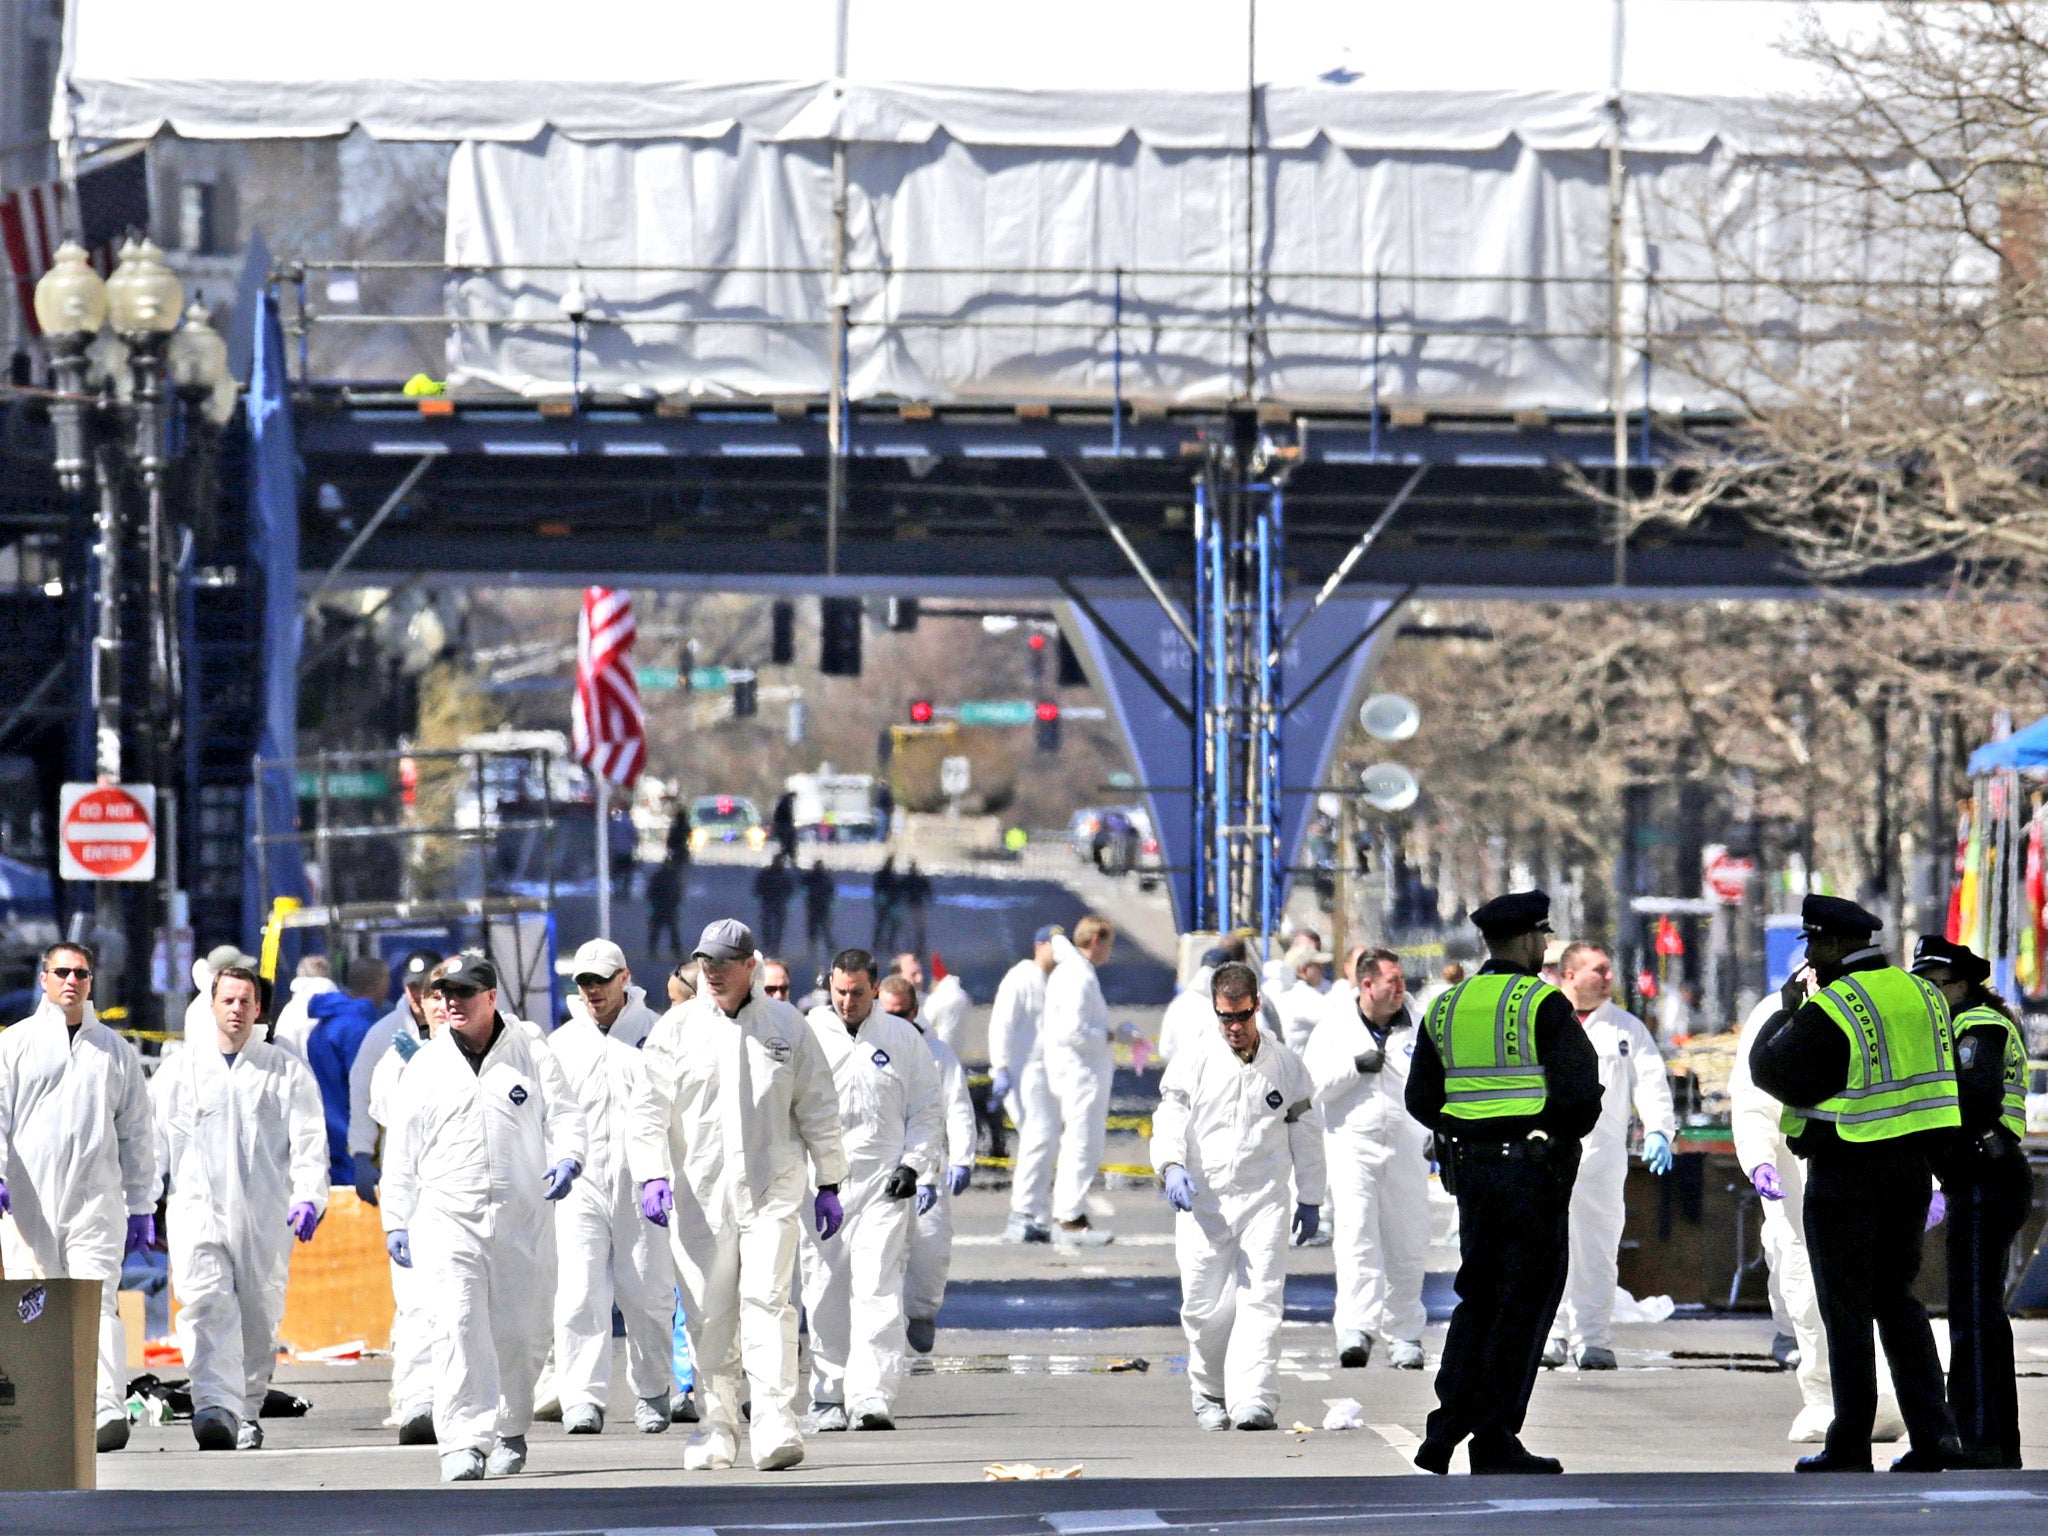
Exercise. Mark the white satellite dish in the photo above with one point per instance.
(1389, 787)
(1389, 717)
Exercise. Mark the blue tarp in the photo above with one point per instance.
(2022, 749)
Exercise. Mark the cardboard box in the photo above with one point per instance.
(49, 1362)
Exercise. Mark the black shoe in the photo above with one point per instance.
(1968, 1458)
(418, 1429)
(1828, 1461)
(1943, 1457)
(215, 1429)
(1435, 1456)
(1511, 1457)
(112, 1435)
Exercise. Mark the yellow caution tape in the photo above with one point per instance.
(273, 935)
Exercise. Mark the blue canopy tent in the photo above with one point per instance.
(2022, 749)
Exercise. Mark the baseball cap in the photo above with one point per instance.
(598, 957)
(1048, 933)
(468, 971)
(221, 956)
(414, 969)
(726, 939)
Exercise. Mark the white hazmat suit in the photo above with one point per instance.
(729, 1110)
(239, 1144)
(931, 1235)
(1246, 1132)
(1191, 1016)
(1632, 1077)
(1015, 1046)
(78, 1152)
(294, 1024)
(888, 1087)
(362, 1072)
(1378, 1157)
(944, 1012)
(412, 1324)
(1080, 1065)
(609, 1252)
(465, 1177)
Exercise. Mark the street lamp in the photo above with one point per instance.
(71, 306)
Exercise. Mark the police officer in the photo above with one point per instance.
(1507, 1079)
(1989, 1188)
(1862, 1057)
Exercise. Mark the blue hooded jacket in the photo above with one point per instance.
(339, 1024)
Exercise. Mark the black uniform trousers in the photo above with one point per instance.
(1988, 1199)
(1514, 1223)
(1866, 1212)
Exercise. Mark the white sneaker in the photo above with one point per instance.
(1405, 1355)
(462, 1467)
(827, 1418)
(507, 1457)
(583, 1419)
(650, 1414)
(1810, 1426)
(781, 1458)
(1258, 1416)
(710, 1450)
(1211, 1415)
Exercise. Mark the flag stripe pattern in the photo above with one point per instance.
(31, 228)
(609, 730)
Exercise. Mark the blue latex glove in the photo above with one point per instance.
(399, 1246)
(1307, 1218)
(556, 1180)
(366, 1179)
(1657, 1152)
(6, 1205)
(1180, 1189)
(927, 1197)
(302, 1220)
(141, 1233)
(961, 1176)
(829, 1212)
(999, 1085)
(657, 1199)
(1937, 1210)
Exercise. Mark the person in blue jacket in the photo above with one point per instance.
(340, 1020)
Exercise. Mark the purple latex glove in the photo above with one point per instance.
(556, 1181)
(927, 1197)
(1937, 1210)
(829, 1213)
(961, 1176)
(1180, 1189)
(399, 1245)
(141, 1233)
(1766, 1181)
(303, 1220)
(6, 1205)
(657, 1199)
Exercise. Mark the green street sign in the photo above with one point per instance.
(998, 712)
(348, 784)
(657, 679)
(709, 679)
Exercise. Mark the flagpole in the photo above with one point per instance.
(604, 856)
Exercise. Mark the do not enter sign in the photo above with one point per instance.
(107, 832)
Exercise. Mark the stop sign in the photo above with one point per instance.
(1728, 877)
(106, 832)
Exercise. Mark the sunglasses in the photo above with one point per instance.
(592, 983)
(780, 989)
(460, 994)
(1238, 1018)
(71, 973)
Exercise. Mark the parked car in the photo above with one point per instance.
(726, 819)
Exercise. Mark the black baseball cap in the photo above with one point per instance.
(468, 972)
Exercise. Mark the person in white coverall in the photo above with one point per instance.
(486, 1133)
(412, 1321)
(1017, 1081)
(1301, 1005)
(1378, 1156)
(930, 1261)
(293, 1024)
(242, 1148)
(405, 1018)
(1779, 1176)
(1190, 1017)
(1236, 1125)
(1080, 1064)
(944, 1009)
(607, 1252)
(736, 1097)
(199, 1012)
(1632, 1076)
(77, 1159)
(888, 1086)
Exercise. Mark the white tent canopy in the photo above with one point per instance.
(1371, 74)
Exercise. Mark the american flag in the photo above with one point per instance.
(113, 202)
(610, 731)
(31, 229)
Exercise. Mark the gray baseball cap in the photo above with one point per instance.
(726, 939)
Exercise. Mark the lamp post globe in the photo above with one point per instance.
(198, 361)
(71, 298)
(144, 297)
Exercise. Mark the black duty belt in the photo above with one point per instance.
(1533, 1148)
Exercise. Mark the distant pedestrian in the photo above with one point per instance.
(888, 891)
(819, 893)
(665, 903)
(679, 834)
(773, 887)
(917, 896)
(782, 825)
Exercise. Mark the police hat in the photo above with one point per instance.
(1837, 915)
(1960, 961)
(1510, 916)
(468, 971)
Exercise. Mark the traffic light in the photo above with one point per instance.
(902, 614)
(839, 653)
(920, 711)
(782, 639)
(744, 701)
(1048, 726)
